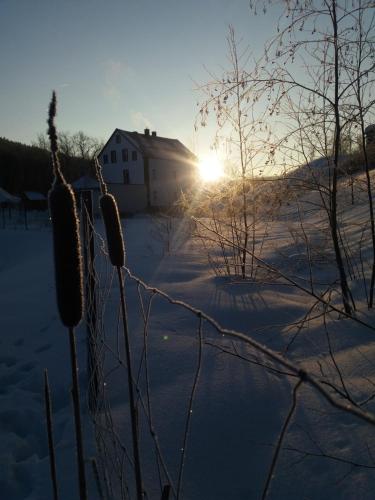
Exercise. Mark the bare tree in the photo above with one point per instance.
(359, 68)
(322, 53)
(85, 146)
(228, 97)
(78, 144)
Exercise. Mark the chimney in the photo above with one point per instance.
(154, 134)
(147, 131)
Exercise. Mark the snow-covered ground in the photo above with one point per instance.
(239, 407)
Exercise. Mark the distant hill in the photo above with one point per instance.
(28, 168)
(320, 169)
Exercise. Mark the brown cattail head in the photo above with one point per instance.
(66, 239)
(112, 223)
(67, 253)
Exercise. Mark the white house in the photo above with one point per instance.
(145, 171)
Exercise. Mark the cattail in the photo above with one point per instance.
(115, 241)
(116, 250)
(67, 253)
(66, 238)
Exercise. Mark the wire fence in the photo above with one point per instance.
(180, 357)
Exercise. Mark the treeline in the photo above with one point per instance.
(28, 168)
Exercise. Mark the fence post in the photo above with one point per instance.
(93, 365)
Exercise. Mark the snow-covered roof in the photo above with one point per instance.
(85, 182)
(6, 197)
(34, 196)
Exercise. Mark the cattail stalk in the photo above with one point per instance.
(133, 409)
(116, 251)
(68, 274)
(77, 417)
(51, 445)
(97, 478)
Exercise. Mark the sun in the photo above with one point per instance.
(211, 168)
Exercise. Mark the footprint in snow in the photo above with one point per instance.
(8, 361)
(8, 380)
(43, 348)
(26, 367)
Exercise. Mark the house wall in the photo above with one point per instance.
(130, 198)
(167, 179)
(114, 172)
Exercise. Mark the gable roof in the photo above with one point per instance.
(6, 197)
(153, 146)
(34, 196)
(86, 182)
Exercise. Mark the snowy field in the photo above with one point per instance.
(239, 407)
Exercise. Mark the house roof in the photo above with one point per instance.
(34, 196)
(153, 146)
(6, 197)
(86, 182)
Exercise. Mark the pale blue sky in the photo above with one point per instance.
(115, 63)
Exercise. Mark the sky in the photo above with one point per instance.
(126, 64)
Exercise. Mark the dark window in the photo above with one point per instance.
(105, 158)
(118, 138)
(126, 176)
(125, 155)
(153, 174)
(134, 155)
(113, 156)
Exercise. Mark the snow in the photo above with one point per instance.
(238, 408)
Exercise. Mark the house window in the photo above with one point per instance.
(125, 155)
(105, 158)
(126, 176)
(134, 155)
(113, 156)
(118, 138)
(153, 174)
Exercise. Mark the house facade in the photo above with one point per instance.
(145, 171)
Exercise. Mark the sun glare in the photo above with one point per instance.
(211, 168)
